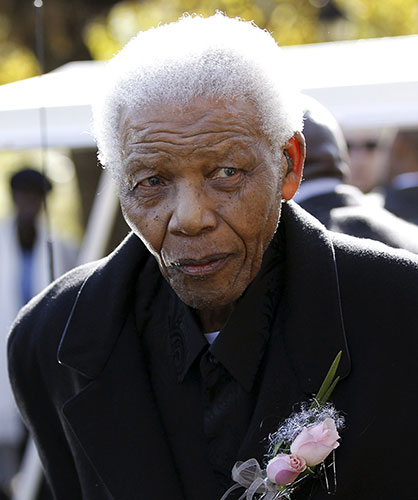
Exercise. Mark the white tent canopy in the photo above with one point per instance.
(65, 97)
(366, 84)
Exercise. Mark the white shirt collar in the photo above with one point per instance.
(210, 337)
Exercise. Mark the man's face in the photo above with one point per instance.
(202, 191)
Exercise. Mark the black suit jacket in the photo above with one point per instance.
(82, 385)
(347, 211)
(403, 203)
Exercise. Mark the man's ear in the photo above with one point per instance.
(294, 152)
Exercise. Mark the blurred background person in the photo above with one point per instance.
(367, 162)
(24, 271)
(402, 194)
(325, 193)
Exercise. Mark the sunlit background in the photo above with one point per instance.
(78, 30)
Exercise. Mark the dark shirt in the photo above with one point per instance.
(208, 392)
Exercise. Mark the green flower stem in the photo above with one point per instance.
(329, 391)
(277, 448)
(328, 384)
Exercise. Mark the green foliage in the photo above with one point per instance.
(379, 18)
(16, 63)
(103, 29)
(290, 22)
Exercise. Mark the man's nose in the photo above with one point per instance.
(193, 212)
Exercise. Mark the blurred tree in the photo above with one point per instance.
(290, 21)
(16, 61)
(378, 18)
(79, 29)
(63, 22)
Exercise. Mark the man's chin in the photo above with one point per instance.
(205, 299)
(207, 292)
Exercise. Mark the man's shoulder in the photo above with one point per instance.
(375, 223)
(366, 259)
(369, 248)
(48, 310)
(95, 285)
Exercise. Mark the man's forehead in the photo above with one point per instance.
(202, 116)
(200, 108)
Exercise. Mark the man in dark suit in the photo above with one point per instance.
(325, 193)
(148, 374)
(402, 194)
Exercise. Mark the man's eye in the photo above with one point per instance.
(222, 173)
(151, 182)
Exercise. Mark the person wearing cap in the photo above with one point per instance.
(148, 374)
(24, 271)
(325, 193)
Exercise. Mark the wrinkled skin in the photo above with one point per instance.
(200, 187)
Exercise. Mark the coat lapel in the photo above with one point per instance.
(116, 421)
(114, 417)
(311, 311)
(308, 331)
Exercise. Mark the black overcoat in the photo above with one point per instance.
(82, 386)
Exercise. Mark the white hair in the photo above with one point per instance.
(215, 57)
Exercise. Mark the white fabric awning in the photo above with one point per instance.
(62, 96)
(366, 84)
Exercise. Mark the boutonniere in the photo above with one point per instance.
(303, 445)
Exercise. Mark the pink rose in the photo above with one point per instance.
(315, 443)
(284, 469)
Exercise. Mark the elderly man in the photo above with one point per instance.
(148, 374)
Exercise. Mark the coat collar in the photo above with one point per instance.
(313, 324)
(117, 424)
(89, 337)
(308, 330)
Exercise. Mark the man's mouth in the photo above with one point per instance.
(200, 267)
